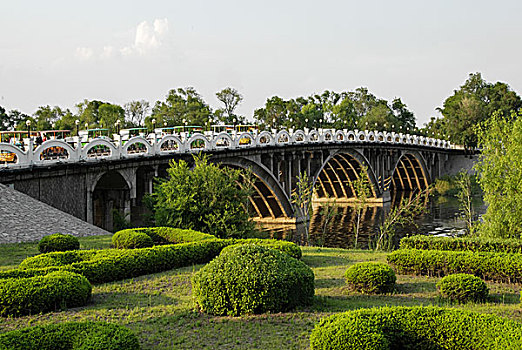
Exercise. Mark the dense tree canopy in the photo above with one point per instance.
(473, 103)
(346, 110)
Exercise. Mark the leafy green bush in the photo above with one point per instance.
(53, 291)
(251, 279)
(462, 287)
(124, 239)
(131, 239)
(205, 198)
(419, 328)
(58, 242)
(370, 277)
(501, 267)
(70, 336)
(475, 244)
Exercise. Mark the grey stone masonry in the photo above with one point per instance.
(25, 219)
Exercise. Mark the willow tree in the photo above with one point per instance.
(500, 175)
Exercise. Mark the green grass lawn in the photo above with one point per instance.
(160, 310)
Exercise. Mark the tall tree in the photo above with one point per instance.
(474, 102)
(109, 114)
(231, 98)
(136, 112)
(179, 105)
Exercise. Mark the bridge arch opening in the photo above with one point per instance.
(111, 201)
(145, 175)
(409, 174)
(263, 201)
(335, 180)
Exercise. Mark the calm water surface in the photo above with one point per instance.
(440, 218)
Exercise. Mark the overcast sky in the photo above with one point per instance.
(61, 52)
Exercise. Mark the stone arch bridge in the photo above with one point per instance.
(93, 181)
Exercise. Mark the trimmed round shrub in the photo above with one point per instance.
(71, 335)
(54, 291)
(252, 279)
(462, 288)
(130, 239)
(370, 277)
(58, 242)
(419, 328)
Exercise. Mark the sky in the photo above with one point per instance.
(59, 53)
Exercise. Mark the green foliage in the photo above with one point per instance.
(341, 110)
(370, 277)
(501, 267)
(58, 242)
(71, 336)
(149, 236)
(473, 103)
(181, 104)
(463, 288)
(205, 198)
(131, 239)
(464, 196)
(53, 291)
(419, 328)
(251, 279)
(475, 244)
(500, 176)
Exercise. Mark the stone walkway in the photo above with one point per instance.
(25, 219)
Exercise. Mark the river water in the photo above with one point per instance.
(441, 217)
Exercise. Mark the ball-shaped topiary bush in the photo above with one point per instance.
(370, 277)
(58, 242)
(252, 279)
(130, 239)
(53, 291)
(463, 288)
(71, 335)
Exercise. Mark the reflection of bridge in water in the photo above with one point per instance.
(91, 180)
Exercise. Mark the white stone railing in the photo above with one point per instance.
(59, 151)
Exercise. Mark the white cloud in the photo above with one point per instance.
(148, 39)
(84, 53)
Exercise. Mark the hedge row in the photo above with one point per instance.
(54, 291)
(137, 237)
(415, 328)
(502, 267)
(101, 266)
(71, 335)
(474, 244)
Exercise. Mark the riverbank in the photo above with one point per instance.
(160, 310)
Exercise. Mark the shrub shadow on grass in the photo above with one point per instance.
(357, 301)
(324, 260)
(119, 300)
(504, 298)
(329, 282)
(415, 287)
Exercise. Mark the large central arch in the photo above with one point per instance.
(334, 179)
(269, 199)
